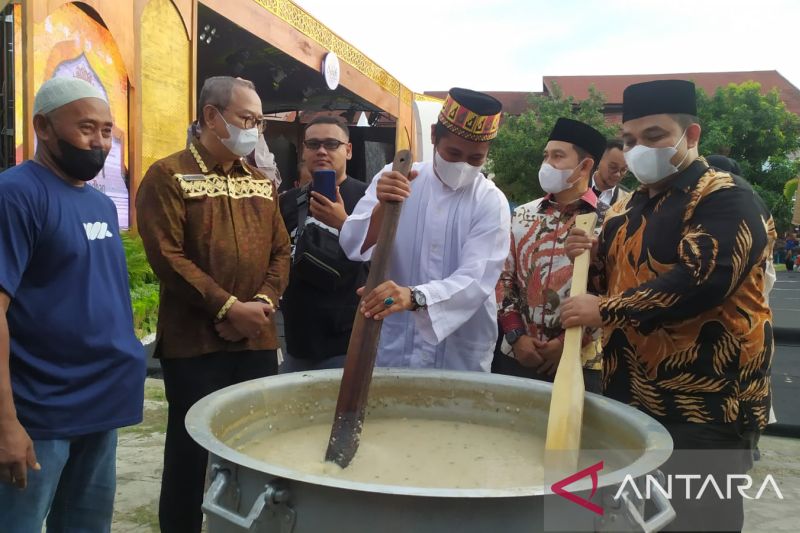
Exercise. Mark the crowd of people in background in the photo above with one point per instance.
(787, 251)
(676, 322)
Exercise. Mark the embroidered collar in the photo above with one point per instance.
(589, 197)
(193, 148)
(206, 161)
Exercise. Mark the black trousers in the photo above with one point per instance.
(186, 381)
(508, 366)
(720, 450)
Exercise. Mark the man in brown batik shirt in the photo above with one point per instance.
(215, 238)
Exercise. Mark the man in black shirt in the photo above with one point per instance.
(318, 321)
(681, 270)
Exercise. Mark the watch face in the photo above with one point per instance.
(420, 297)
(513, 336)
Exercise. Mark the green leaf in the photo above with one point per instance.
(790, 189)
(144, 286)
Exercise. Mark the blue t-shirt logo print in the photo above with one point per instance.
(97, 230)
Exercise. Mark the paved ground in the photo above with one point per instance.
(785, 303)
(780, 457)
(785, 300)
(139, 463)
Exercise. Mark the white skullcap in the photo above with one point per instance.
(57, 92)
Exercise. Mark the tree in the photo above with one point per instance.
(517, 151)
(760, 134)
(790, 189)
(752, 128)
(738, 121)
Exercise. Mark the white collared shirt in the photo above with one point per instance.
(451, 245)
(605, 196)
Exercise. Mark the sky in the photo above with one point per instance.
(508, 45)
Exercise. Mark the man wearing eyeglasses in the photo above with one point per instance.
(318, 318)
(612, 168)
(214, 236)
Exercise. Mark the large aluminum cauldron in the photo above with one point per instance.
(248, 494)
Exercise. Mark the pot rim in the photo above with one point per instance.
(657, 441)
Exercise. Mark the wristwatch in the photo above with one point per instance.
(514, 335)
(418, 300)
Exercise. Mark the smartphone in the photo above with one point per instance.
(325, 183)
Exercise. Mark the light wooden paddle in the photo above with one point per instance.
(361, 352)
(566, 402)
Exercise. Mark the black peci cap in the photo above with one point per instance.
(659, 96)
(581, 135)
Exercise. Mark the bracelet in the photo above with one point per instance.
(264, 298)
(225, 308)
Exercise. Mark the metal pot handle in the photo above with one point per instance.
(664, 514)
(274, 495)
(217, 488)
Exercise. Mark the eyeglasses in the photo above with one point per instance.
(329, 144)
(618, 171)
(260, 123)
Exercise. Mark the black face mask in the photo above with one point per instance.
(79, 163)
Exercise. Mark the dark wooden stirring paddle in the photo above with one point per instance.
(363, 347)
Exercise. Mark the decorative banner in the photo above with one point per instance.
(70, 43)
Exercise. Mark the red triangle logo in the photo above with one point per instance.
(558, 488)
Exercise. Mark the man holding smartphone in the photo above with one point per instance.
(318, 315)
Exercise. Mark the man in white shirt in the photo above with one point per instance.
(610, 171)
(438, 309)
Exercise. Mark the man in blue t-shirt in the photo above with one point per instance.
(71, 368)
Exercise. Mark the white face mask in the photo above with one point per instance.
(554, 180)
(454, 175)
(651, 165)
(240, 142)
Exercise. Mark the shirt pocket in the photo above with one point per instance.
(468, 354)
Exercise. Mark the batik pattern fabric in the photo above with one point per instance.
(687, 329)
(537, 274)
(213, 236)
